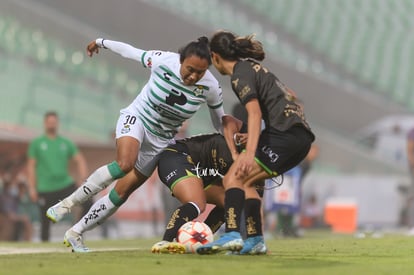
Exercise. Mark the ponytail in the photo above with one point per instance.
(231, 47)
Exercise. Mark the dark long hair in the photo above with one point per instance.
(232, 47)
(198, 48)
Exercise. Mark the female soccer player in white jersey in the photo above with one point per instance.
(178, 85)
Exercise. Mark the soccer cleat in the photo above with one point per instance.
(230, 241)
(56, 212)
(254, 246)
(168, 248)
(74, 240)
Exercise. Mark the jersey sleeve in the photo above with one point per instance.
(215, 97)
(215, 104)
(73, 149)
(121, 48)
(146, 58)
(31, 151)
(243, 82)
(153, 58)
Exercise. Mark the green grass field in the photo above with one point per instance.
(316, 253)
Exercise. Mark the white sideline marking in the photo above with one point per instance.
(33, 250)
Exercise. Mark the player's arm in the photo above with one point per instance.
(216, 116)
(231, 126)
(254, 122)
(31, 178)
(121, 48)
(215, 105)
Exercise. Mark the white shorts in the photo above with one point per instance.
(151, 145)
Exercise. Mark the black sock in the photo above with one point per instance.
(260, 188)
(253, 218)
(215, 218)
(185, 213)
(233, 204)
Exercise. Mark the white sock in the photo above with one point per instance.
(97, 214)
(97, 181)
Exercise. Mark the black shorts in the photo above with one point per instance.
(278, 152)
(176, 164)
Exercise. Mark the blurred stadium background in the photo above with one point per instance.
(349, 61)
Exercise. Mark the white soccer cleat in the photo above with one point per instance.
(168, 248)
(56, 212)
(74, 240)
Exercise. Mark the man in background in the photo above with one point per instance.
(49, 181)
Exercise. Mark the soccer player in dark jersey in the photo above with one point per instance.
(283, 143)
(192, 168)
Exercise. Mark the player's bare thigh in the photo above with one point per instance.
(127, 152)
(190, 190)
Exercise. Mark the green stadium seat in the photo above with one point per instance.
(40, 74)
(366, 38)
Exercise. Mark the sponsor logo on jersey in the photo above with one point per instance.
(176, 98)
(235, 83)
(167, 76)
(244, 91)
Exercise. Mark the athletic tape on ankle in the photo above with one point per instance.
(115, 170)
(115, 198)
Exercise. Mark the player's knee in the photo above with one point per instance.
(125, 165)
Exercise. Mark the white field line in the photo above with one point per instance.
(35, 250)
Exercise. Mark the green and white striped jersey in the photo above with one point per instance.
(164, 103)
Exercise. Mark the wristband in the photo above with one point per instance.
(103, 46)
(100, 43)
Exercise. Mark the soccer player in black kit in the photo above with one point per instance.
(281, 145)
(192, 169)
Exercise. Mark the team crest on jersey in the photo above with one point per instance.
(198, 90)
(126, 129)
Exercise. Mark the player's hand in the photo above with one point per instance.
(92, 48)
(240, 138)
(244, 164)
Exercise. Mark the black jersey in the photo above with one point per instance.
(279, 111)
(210, 154)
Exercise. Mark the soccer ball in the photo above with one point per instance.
(193, 235)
